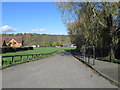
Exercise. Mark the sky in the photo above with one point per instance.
(32, 17)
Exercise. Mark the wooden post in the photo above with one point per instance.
(13, 59)
(40, 55)
(21, 58)
(27, 57)
(32, 56)
(2, 62)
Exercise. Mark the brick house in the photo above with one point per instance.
(11, 41)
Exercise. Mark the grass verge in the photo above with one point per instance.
(8, 60)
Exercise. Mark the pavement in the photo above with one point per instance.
(59, 71)
(107, 69)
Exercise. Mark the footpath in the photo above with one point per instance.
(108, 70)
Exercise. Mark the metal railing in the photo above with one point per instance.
(89, 59)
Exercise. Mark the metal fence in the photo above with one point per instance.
(90, 53)
(86, 58)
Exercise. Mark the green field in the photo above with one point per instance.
(8, 60)
(39, 50)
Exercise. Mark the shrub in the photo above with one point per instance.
(18, 48)
(7, 49)
(30, 48)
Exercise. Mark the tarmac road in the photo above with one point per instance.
(59, 71)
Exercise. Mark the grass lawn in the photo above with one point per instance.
(39, 50)
(8, 60)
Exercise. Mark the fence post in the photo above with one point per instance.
(93, 55)
(2, 62)
(32, 56)
(27, 57)
(21, 58)
(85, 58)
(84, 53)
(12, 59)
(110, 52)
(89, 55)
(101, 53)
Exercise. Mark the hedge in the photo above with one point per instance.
(14, 49)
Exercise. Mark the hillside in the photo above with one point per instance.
(40, 39)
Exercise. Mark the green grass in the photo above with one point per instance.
(8, 60)
(38, 50)
(108, 59)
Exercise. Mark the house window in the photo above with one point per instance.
(14, 42)
(9, 44)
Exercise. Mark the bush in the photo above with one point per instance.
(30, 48)
(17, 48)
(7, 49)
(25, 48)
(14, 49)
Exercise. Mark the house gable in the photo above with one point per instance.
(12, 41)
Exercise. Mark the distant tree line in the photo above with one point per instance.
(43, 40)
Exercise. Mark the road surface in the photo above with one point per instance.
(59, 71)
